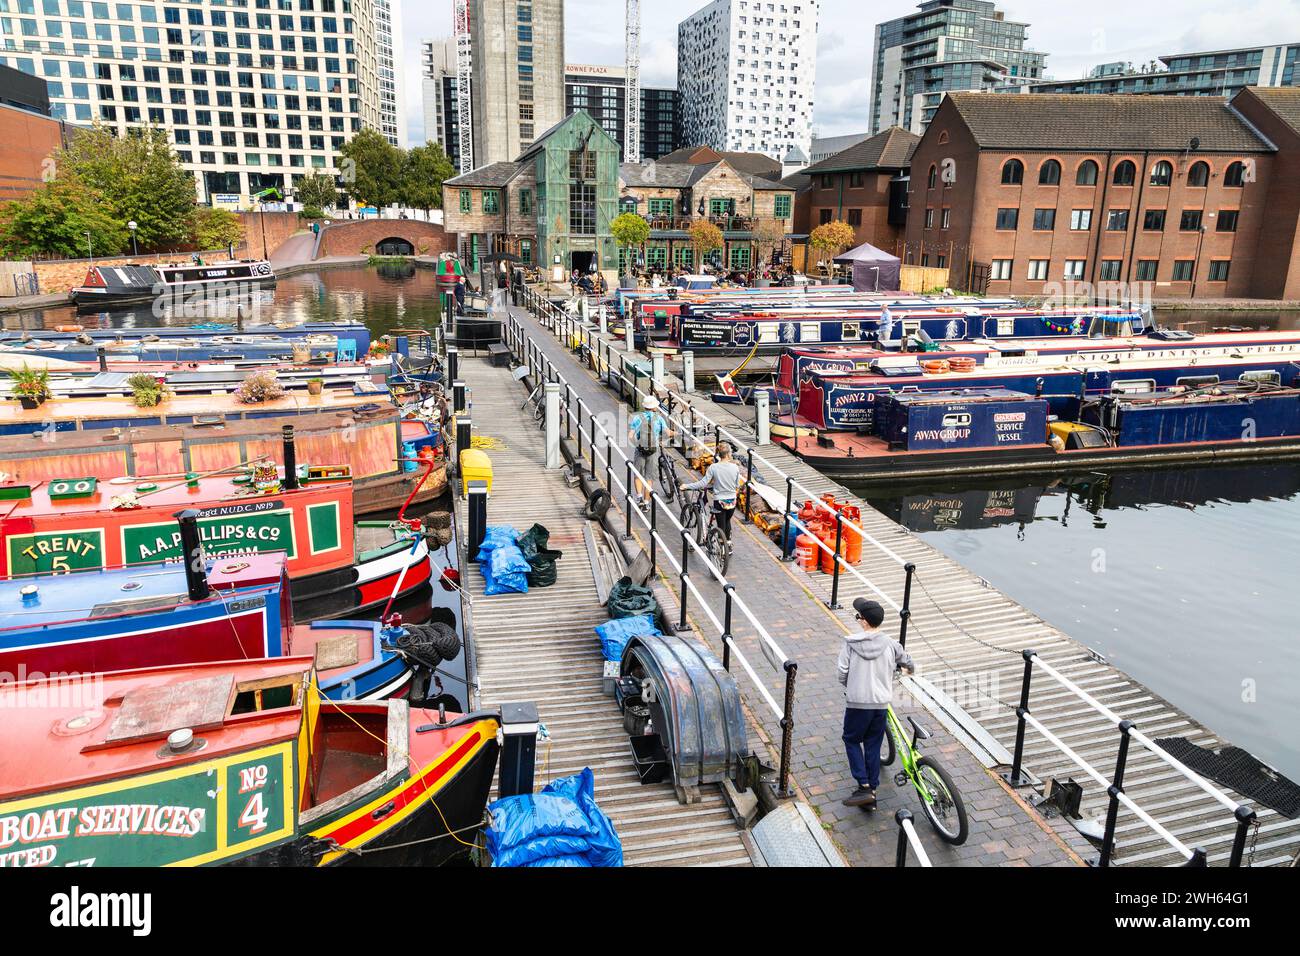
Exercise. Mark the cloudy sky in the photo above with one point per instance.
(1076, 35)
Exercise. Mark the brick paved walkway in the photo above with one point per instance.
(1004, 830)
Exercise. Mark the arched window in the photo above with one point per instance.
(934, 176)
(1162, 173)
(1049, 174)
(1234, 175)
(1199, 174)
(1013, 172)
(1087, 174)
(943, 137)
(1125, 173)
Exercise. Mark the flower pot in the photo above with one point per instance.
(315, 388)
(29, 402)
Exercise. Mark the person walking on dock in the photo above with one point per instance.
(647, 429)
(866, 668)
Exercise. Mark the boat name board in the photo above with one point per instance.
(257, 532)
(194, 814)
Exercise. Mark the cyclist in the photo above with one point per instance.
(647, 430)
(723, 477)
(866, 668)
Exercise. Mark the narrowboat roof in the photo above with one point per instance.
(109, 592)
(122, 407)
(75, 730)
(79, 494)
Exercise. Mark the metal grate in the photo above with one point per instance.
(1238, 770)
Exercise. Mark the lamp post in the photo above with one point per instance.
(133, 226)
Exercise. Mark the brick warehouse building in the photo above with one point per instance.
(1012, 193)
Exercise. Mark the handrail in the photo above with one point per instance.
(1244, 815)
(524, 347)
(907, 837)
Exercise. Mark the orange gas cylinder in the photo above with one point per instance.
(827, 557)
(807, 512)
(805, 552)
(829, 500)
(852, 538)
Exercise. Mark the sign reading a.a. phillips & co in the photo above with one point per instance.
(252, 528)
(199, 813)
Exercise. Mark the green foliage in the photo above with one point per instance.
(831, 239)
(705, 237)
(140, 179)
(317, 192)
(629, 229)
(146, 390)
(424, 169)
(372, 169)
(31, 383)
(313, 212)
(54, 219)
(215, 228)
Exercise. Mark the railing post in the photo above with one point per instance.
(787, 729)
(727, 590)
(834, 604)
(785, 527)
(1015, 778)
(568, 404)
(1245, 818)
(749, 485)
(1113, 791)
(579, 411)
(654, 527)
(591, 419)
(627, 489)
(900, 854)
(684, 577)
(905, 612)
(1198, 859)
(609, 469)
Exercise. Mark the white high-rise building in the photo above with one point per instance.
(745, 75)
(441, 116)
(252, 96)
(388, 56)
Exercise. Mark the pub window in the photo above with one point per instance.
(1125, 174)
(1087, 174)
(1049, 174)
(1235, 175)
(1013, 172)
(1162, 173)
(1199, 174)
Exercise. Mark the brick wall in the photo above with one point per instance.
(28, 141)
(360, 237)
(870, 200)
(979, 193)
(1277, 259)
(279, 227)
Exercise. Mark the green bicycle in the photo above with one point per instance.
(940, 798)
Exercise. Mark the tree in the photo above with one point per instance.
(424, 169)
(317, 191)
(629, 230)
(705, 237)
(371, 169)
(54, 219)
(768, 235)
(139, 178)
(215, 228)
(831, 239)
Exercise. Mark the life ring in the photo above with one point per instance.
(69, 328)
(935, 366)
(962, 363)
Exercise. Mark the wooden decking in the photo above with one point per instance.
(542, 647)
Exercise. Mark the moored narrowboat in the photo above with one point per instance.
(240, 763)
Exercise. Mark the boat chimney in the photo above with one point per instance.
(103, 358)
(179, 741)
(31, 595)
(290, 459)
(196, 576)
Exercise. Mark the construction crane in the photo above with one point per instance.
(632, 94)
(464, 71)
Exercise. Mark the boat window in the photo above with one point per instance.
(1197, 381)
(1133, 386)
(768, 332)
(128, 605)
(1104, 326)
(852, 330)
(1006, 327)
(810, 331)
(911, 326)
(1262, 375)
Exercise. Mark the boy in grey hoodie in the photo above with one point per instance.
(867, 663)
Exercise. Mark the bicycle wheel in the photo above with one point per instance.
(715, 546)
(690, 516)
(887, 752)
(667, 478)
(945, 809)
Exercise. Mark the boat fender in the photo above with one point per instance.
(429, 645)
(598, 503)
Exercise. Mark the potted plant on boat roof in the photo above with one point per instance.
(146, 390)
(31, 385)
(260, 386)
(315, 386)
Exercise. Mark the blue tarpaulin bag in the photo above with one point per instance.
(506, 570)
(615, 634)
(496, 536)
(561, 826)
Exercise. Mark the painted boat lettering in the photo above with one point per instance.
(251, 533)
